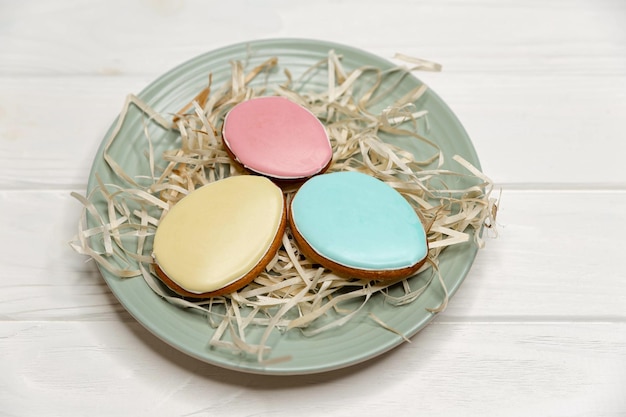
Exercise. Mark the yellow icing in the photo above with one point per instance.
(219, 232)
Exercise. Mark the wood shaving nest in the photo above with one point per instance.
(292, 293)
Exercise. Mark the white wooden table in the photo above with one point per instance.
(539, 325)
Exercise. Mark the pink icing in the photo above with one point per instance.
(276, 137)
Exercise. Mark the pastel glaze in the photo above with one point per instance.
(276, 137)
(219, 232)
(359, 222)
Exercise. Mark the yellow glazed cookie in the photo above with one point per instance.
(220, 237)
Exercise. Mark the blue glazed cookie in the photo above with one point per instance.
(356, 225)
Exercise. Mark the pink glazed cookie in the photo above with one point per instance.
(277, 138)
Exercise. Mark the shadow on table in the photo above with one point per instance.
(240, 378)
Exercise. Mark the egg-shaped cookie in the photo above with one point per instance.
(277, 138)
(220, 237)
(357, 226)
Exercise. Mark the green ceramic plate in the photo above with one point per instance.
(360, 339)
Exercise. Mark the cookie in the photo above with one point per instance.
(220, 237)
(357, 226)
(277, 138)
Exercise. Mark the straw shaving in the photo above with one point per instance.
(292, 293)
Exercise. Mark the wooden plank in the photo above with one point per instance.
(522, 138)
(43, 278)
(50, 128)
(487, 37)
(548, 263)
(511, 369)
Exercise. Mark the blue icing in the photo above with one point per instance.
(358, 221)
